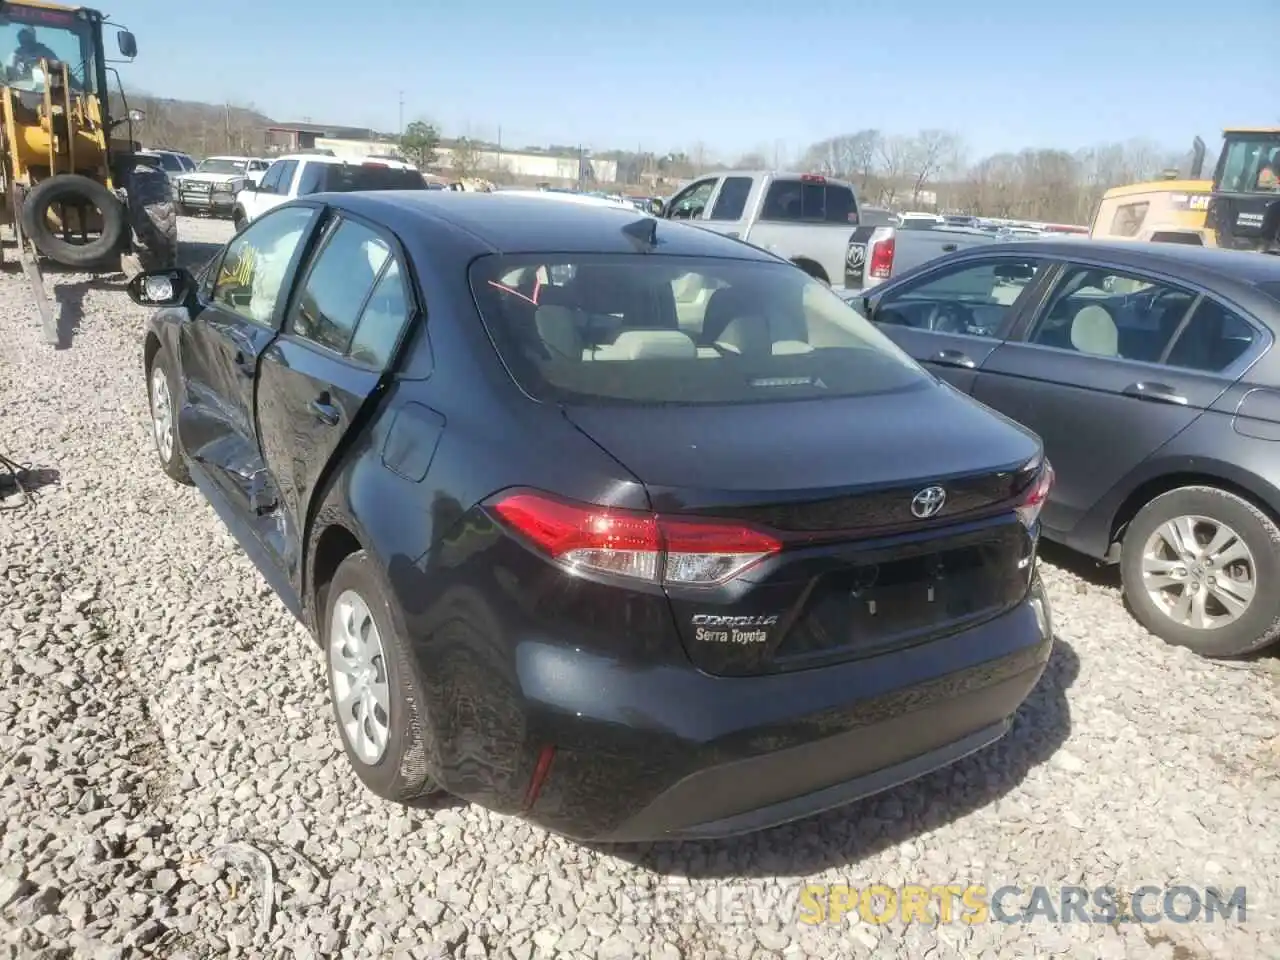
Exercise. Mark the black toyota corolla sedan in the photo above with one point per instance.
(625, 527)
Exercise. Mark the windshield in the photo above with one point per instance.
(1251, 164)
(640, 329)
(170, 162)
(28, 34)
(219, 165)
(345, 178)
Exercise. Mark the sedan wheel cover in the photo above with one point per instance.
(1199, 572)
(358, 674)
(162, 413)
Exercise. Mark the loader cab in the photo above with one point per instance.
(1244, 211)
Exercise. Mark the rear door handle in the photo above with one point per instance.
(1155, 392)
(323, 410)
(953, 358)
(948, 248)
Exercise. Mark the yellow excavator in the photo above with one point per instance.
(74, 192)
(1238, 209)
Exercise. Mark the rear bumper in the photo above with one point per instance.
(673, 753)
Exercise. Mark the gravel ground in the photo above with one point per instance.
(171, 785)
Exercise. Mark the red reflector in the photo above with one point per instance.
(1033, 500)
(813, 178)
(628, 543)
(539, 778)
(882, 253)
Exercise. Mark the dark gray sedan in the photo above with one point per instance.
(1148, 370)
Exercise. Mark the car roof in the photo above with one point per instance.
(512, 223)
(1205, 263)
(391, 162)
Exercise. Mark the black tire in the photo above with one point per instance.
(1259, 625)
(173, 462)
(153, 217)
(238, 219)
(184, 210)
(400, 774)
(71, 188)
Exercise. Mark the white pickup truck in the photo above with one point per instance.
(212, 186)
(300, 175)
(815, 222)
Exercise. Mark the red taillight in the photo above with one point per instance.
(813, 178)
(628, 543)
(881, 265)
(1034, 498)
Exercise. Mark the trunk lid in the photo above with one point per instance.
(834, 480)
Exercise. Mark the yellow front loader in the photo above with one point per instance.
(73, 192)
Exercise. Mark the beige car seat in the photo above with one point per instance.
(1093, 331)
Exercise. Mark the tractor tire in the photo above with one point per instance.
(153, 217)
(73, 188)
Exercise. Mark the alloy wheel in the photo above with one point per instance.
(358, 672)
(162, 412)
(1199, 572)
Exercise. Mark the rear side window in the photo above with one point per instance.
(383, 320)
(341, 278)
(809, 200)
(349, 177)
(674, 330)
(1212, 340)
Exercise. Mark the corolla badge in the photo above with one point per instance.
(928, 502)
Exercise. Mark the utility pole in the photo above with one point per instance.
(400, 129)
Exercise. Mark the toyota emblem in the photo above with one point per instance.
(928, 502)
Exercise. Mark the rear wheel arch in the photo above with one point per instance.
(149, 351)
(1147, 491)
(334, 544)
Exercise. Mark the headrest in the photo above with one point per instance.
(1093, 331)
(649, 345)
(558, 329)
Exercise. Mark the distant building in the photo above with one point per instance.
(291, 137)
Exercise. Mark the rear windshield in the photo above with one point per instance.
(346, 178)
(644, 329)
(809, 200)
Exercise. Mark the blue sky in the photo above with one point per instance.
(734, 76)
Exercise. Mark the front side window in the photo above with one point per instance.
(676, 330)
(1108, 314)
(170, 162)
(691, 204)
(1251, 164)
(29, 34)
(340, 280)
(975, 299)
(252, 273)
(271, 179)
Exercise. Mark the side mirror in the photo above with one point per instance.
(161, 288)
(868, 308)
(128, 44)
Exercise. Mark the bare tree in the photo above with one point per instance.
(897, 157)
(464, 158)
(931, 153)
(754, 160)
